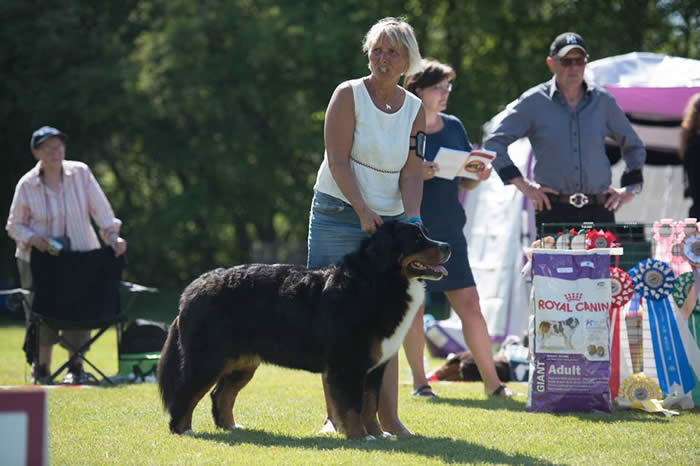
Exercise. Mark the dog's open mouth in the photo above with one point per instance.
(426, 271)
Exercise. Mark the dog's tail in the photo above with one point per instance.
(169, 374)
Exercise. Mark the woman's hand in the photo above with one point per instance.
(430, 170)
(485, 172)
(369, 220)
(39, 242)
(119, 246)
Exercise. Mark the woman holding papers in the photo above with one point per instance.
(444, 217)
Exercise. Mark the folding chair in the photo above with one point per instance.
(77, 290)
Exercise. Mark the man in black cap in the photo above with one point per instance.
(567, 120)
(53, 208)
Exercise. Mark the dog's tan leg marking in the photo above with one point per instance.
(186, 423)
(226, 394)
(375, 352)
(350, 424)
(369, 414)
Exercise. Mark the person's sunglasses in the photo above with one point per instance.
(439, 87)
(567, 62)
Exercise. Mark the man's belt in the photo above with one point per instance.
(579, 199)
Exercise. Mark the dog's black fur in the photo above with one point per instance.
(331, 320)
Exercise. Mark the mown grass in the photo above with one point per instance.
(282, 411)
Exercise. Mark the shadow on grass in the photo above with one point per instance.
(442, 448)
(510, 404)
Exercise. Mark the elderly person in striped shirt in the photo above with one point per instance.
(567, 121)
(54, 202)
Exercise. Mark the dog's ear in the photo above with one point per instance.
(381, 247)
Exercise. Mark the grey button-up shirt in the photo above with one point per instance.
(569, 145)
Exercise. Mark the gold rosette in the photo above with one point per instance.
(639, 391)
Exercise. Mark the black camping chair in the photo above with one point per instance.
(77, 290)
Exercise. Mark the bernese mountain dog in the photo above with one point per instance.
(345, 321)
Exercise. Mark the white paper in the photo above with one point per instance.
(450, 162)
(453, 162)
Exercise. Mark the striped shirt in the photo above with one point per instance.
(38, 210)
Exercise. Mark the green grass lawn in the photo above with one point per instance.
(282, 411)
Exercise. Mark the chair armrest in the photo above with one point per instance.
(22, 291)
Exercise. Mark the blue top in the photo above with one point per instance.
(441, 210)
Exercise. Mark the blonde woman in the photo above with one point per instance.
(369, 174)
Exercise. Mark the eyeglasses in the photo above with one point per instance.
(567, 62)
(442, 87)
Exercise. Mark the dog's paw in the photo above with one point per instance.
(234, 427)
(188, 432)
(370, 437)
(387, 435)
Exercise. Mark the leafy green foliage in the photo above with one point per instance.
(203, 120)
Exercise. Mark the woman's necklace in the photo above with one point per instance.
(377, 97)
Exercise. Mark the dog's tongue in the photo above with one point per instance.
(440, 269)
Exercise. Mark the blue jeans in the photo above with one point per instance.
(334, 230)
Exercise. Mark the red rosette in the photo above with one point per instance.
(599, 239)
(621, 287)
(612, 239)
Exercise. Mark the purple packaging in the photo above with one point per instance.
(570, 303)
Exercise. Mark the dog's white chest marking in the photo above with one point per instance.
(390, 346)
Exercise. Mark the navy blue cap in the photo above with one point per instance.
(566, 42)
(43, 133)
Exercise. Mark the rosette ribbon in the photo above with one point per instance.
(691, 250)
(653, 279)
(621, 290)
(689, 311)
(563, 240)
(663, 236)
(640, 391)
(599, 239)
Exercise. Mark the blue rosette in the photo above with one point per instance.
(652, 279)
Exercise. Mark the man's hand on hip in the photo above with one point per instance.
(534, 192)
(617, 197)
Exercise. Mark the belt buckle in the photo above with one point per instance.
(578, 200)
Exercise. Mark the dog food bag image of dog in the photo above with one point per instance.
(344, 321)
(571, 298)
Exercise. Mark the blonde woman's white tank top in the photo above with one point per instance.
(379, 152)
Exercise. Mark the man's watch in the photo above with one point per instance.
(634, 188)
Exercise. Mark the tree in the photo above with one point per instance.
(203, 120)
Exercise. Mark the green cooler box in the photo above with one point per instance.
(140, 346)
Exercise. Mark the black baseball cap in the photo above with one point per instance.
(43, 133)
(565, 42)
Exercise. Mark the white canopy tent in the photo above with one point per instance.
(653, 91)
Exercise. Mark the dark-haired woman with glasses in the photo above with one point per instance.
(443, 215)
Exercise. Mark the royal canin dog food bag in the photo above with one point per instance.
(569, 328)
